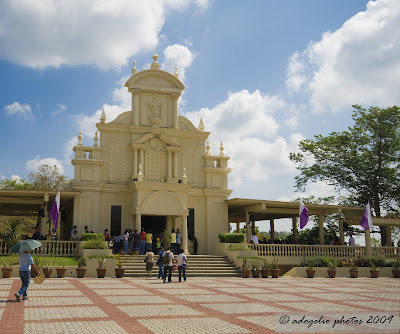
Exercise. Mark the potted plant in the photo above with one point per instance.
(396, 268)
(60, 270)
(332, 269)
(47, 270)
(275, 271)
(245, 269)
(353, 271)
(81, 270)
(264, 269)
(101, 270)
(255, 272)
(374, 271)
(119, 271)
(310, 271)
(7, 270)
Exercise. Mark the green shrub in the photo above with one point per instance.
(92, 236)
(239, 248)
(231, 237)
(95, 244)
(320, 261)
(370, 261)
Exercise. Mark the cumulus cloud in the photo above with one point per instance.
(15, 177)
(179, 56)
(22, 110)
(60, 109)
(105, 34)
(357, 64)
(34, 164)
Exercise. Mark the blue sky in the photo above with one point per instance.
(262, 74)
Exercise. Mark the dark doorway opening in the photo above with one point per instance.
(115, 220)
(154, 224)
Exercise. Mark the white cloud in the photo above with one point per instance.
(316, 189)
(357, 64)
(179, 56)
(23, 110)
(15, 177)
(105, 34)
(60, 109)
(34, 164)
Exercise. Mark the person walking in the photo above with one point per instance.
(136, 242)
(172, 239)
(149, 261)
(160, 263)
(168, 259)
(182, 265)
(142, 242)
(25, 265)
(149, 241)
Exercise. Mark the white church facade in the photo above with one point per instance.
(151, 168)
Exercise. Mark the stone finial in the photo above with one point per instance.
(103, 117)
(134, 70)
(140, 174)
(208, 148)
(201, 125)
(80, 137)
(155, 65)
(221, 148)
(176, 72)
(96, 139)
(184, 177)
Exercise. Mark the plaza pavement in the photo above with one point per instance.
(200, 305)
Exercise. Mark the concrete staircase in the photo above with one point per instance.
(199, 265)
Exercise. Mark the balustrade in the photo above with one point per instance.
(50, 247)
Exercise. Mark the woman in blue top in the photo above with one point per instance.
(25, 264)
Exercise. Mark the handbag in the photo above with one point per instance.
(174, 267)
(145, 260)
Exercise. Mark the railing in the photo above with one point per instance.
(57, 248)
(287, 250)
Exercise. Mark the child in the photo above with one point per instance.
(25, 263)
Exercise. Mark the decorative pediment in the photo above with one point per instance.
(185, 124)
(123, 119)
(155, 80)
(148, 137)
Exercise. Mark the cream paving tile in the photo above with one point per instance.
(5, 286)
(267, 321)
(348, 289)
(211, 298)
(158, 310)
(7, 281)
(192, 325)
(217, 285)
(277, 297)
(51, 286)
(230, 308)
(177, 291)
(335, 296)
(122, 292)
(378, 305)
(296, 289)
(243, 290)
(372, 295)
(47, 313)
(109, 286)
(41, 293)
(5, 293)
(1, 313)
(99, 281)
(138, 300)
(57, 301)
(320, 306)
(73, 327)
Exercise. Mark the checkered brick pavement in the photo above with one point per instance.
(200, 305)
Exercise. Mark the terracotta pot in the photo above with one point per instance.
(246, 273)
(101, 272)
(310, 273)
(119, 272)
(264, 273)
(396, 273)
(353, 273)
(331, 273)
(61, 272)
(7, 272)
(275, 273)
(255, 273)
(374, 273)
(47, 272)
(80, 272)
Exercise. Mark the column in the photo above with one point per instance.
(237, 227)
(184, 235)
(321, 229)
(135, 106)
(169, 165)
(43, 220)
(368, 251)
(139, 222)
(294, 228)
(175, 97)
(142, 159)
(135, 164)
(341, 231)
(248, 227)
(253, 225)
(272, 229)
(389, 236)
(175, 165)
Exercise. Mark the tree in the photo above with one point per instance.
(363, 161)
(47, 178)
(20, 184)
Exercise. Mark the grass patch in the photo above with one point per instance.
(50, 260)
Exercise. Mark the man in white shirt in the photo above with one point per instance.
(168, 259)
(254, 238)
(182, 265)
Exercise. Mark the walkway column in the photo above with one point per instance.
(139, 222)
(237, 227)
(321, 229)
(341, 231)
(294, 228)
(184, 235)
(272, 228)
(253, 224)
(248, 229)
(368, 251)
(389, 236)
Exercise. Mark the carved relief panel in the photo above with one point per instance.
(155, 109)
